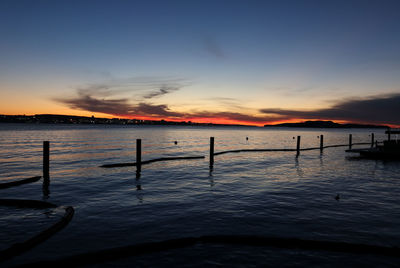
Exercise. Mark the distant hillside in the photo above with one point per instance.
(325, 124)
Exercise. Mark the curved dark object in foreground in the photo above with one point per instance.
(19, 182)
(19, 248)
(153, 160)
(256, 241)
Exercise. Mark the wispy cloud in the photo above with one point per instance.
(164, 89)
(147, 109)
(118, 107)
(143, 86)
(233, 116)
(99, 99)
(134, 97)
(211, 46)
(376, 109)
(106, 97)
(229, 103)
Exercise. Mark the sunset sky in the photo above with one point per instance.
(246, 62)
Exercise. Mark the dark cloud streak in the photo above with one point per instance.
(164, 89)
(377, 109)
(88, 103)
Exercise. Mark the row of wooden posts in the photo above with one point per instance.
(46, 153)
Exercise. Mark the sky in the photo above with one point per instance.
(237, 62)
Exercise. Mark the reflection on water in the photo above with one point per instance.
(263, 193)
(45, 188)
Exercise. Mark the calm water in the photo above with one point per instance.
(258, 193)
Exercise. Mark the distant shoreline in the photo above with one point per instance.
(84, 120)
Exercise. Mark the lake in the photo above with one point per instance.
(249, 193)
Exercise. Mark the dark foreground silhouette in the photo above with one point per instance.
(256, 241)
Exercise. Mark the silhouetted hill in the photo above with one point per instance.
(325, 124)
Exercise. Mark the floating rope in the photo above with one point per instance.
(133, 164)
(19, 182)
(286, 150)
(152, 161)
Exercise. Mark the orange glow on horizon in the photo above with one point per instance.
(211, 120)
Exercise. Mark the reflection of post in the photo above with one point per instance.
(211, 152)
(46, 160)
(138, 155)
(298, 146)
(350, 141)
(372, 139)
(46, 169)
(321, 142)
(45, 188)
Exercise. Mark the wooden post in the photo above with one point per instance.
(321, 142)
(211, 152)
(350, 141)
(298, 146)
(46, 160)
(372, 139)
(138, 155)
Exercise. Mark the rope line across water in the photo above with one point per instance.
(5, 185)
(219, 153)
(152, 161)
(286, 150)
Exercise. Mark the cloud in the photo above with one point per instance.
(375, 109)
(118, 107)
(234, 116)
(109, 97)
(122, 107)
(164, 89)
(229, 103)
(147, 109)
(212, 47)
(145, 87)
(91, 104)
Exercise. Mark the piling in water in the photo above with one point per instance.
(350, 141)
(372, 139)
(138, 155)
(321, 143)
(298, 146)
(211, 152)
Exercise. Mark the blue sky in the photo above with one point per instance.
(223, 60)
